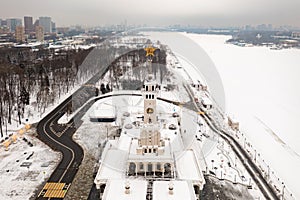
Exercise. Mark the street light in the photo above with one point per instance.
(235, 160)
(106, 132)
(283, 190)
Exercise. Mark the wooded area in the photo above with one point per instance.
(34, 77)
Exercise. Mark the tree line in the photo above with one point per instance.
(34, 78)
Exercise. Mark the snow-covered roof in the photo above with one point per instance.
(233, 119)
(181, 190)
(115, 189)
(188, 167)
(56, 46)
(30, 45)
(112, 166)
(104, 110)
(166, 156)
(206, 101)
(124, 142)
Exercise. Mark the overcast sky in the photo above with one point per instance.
(157, 12)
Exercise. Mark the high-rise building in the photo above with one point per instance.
(36, 23)
(4, 22)
(53, 26)
(46, 23)
(39, 33)
(20, 37)
(3, 27)
(13, 23)
(28, 23)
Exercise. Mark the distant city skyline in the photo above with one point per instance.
(157, 13)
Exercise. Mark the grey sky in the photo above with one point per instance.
(157, 12)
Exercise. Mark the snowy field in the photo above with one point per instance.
(24, 168)
(262, 91)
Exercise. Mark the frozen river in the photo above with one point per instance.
(261, 89)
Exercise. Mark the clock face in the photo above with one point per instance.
(149, 110)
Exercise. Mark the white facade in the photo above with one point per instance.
(149, 148)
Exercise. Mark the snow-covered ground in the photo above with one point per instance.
(32, 115)
(262, 92)
(24, 168)
(93, 134)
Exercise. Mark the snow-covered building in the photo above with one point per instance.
(103, 113)
(206, 103)
(148, 160)
(233, 123)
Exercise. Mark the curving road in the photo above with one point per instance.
(255, 173)
(59, 136)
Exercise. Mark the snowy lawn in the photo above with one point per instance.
(24, 168)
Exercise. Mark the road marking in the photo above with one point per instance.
(44, 128)
(54, 190)
(60, 133)
(52, 131)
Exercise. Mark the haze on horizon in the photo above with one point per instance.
(158, 13)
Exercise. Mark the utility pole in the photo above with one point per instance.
(106, 132)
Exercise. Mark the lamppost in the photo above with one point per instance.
(106, 132)
(283, 186)
(235, 160)
(215, 168)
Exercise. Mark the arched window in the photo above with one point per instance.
(158, 166)
(132, 168)
(141, 166)
(167, 168)
(150, 167)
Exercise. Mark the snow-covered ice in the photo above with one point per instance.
(262, 92)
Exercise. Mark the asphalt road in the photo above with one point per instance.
(257, 176)
(59, 136)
